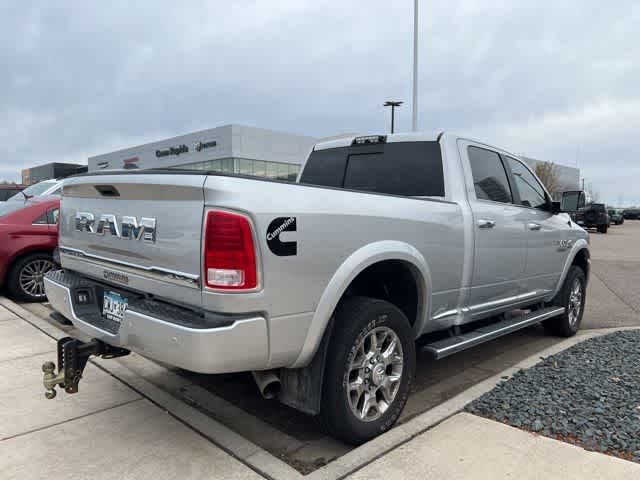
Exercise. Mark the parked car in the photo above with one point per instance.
(28, 237)
(7, 190)
(631, 213)
(616, 216)
(593, 215)
(322, 288)
(44, 188)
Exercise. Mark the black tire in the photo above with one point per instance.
(38, 263)
(567, 325)
(603, 228)
(357, 321)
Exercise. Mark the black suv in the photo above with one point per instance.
(593, 215)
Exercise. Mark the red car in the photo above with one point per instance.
(28, 237)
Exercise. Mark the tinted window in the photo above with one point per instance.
(411, 169)
(531, 192)
(404, 168)
(489, 176)
(325, 167)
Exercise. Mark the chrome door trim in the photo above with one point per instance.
(504, 301)
(447, 313)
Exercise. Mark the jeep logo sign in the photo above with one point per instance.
(129, 228)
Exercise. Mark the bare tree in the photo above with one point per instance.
(548, 174)
(591, 193)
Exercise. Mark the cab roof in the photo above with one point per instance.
(348, 140)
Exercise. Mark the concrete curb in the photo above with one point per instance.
(270, 466)
(379, 446)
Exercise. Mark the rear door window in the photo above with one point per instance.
(412, 169)
(489, 176)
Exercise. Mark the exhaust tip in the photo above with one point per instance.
(268, 383)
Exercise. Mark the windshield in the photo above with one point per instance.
(33, 190)
(9, 207)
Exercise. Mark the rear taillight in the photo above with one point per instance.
(229, 252)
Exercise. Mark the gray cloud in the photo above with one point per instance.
(552, 81)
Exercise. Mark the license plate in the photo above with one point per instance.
(113, 306)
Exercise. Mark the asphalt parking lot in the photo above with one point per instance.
(233, 399)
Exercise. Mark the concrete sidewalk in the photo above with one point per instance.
(108, 432)
(469, 447)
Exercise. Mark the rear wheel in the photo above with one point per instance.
(572, 298)
(603, 228)
(26, 277)
(369, 371)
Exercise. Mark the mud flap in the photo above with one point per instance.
(73, 355)
(301, 388)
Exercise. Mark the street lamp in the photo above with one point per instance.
(393, 105)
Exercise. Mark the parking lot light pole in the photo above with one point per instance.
(393, 105)
(414, 106)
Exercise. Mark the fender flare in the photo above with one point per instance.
(581, 244)
(357, 262)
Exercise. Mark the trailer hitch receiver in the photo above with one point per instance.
(73, 355)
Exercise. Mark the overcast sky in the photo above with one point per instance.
(558, 81)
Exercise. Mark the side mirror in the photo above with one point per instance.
(572, 201)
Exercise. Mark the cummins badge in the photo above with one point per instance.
(276, 227)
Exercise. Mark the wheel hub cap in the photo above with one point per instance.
(374, 373)
(575, 302)
(31, 278)
(378, 375)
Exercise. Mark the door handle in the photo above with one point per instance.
(484, 223)
(534, 226)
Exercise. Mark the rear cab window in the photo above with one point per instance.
(412, 169)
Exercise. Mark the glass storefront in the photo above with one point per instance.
(245, 166)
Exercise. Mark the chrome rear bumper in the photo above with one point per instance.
(241, 345)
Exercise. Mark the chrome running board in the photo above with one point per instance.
(448, 346)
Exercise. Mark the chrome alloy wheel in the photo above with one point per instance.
(31, 277)
(575, 302)
(374, 374)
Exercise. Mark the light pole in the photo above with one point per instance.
(414, 122)
(393, 105)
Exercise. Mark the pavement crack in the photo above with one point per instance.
(615, 293)
(67, 420)
(24, 357)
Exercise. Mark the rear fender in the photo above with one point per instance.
(350, 268)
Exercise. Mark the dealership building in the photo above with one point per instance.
(229, 149)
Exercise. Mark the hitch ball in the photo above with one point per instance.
(50, 379)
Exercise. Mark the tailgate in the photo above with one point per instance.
(138, 231)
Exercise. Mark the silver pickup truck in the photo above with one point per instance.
(324, 289)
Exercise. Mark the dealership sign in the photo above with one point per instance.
(202, 145)
(172, 151)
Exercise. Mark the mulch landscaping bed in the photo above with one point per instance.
(588, 395)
